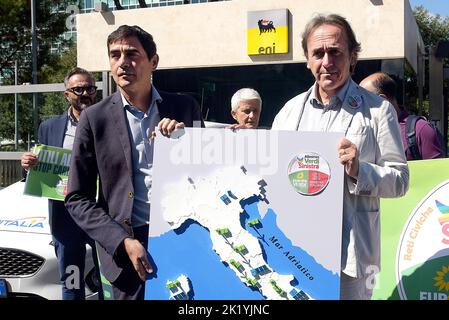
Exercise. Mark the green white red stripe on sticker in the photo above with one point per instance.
(309, 173)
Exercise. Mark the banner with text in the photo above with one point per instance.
(415, 237)
(49, 177)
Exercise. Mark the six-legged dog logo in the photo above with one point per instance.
(265, 26)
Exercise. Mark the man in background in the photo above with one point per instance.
(69, 240)
(427, 141)
(371, 152)
(246, 106)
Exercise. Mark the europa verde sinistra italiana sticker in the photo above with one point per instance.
(309, 173)
(422, 267)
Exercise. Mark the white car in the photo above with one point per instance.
(28, 265)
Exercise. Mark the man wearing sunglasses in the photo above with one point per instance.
(69, 239)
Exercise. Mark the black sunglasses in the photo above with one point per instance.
(80, 90)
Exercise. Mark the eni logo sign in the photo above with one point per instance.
(267, 32)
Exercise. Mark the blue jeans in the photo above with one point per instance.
(70, 248)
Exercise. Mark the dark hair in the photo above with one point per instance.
(384, 84)
(125, 31)
(75, 71)
(336, 20)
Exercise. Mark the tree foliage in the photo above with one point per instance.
(15, 35)
(54, 103)
(51, 104)
(7, 117)
(433, 27)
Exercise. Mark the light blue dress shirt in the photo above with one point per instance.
(140, 126)
(323, 118)
(69, 136)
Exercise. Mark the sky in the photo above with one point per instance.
(433, 6)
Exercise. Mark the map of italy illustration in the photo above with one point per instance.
(223, 242)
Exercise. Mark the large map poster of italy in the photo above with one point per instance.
(247, 214)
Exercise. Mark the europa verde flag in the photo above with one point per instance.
(415, 237)
(49, 177)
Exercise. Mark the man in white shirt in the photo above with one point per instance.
(371, 152)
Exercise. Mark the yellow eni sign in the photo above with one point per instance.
(267, 32)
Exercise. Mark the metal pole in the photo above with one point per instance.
(34, 63)
(421, 79)
(436, 89)
(105, 84)
(445, 114)
(16, 109)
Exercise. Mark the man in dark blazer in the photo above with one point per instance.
(69, 240)
(113, 142)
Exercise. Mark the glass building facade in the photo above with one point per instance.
(89, 5)
(213, 87)
(277, 83)
(86, 6)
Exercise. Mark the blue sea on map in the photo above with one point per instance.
(188, 250)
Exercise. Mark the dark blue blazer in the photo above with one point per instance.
(102, 148)
(51, 133)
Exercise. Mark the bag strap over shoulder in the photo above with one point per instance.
(410, 136)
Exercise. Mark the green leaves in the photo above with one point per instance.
(433, 27)
(15, 45)
(15, 34)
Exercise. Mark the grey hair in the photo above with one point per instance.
(75, 71)
(335, 20)
(244, 94)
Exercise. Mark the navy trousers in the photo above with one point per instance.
(70, 248)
